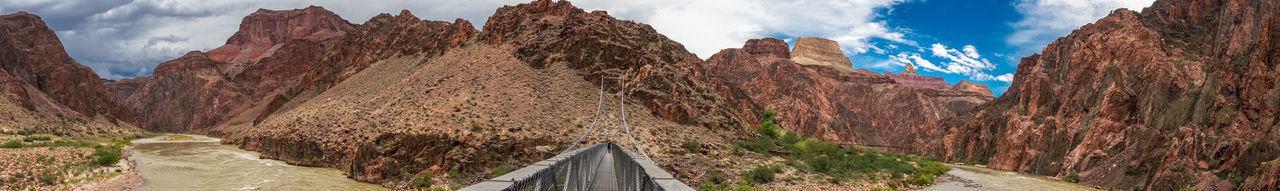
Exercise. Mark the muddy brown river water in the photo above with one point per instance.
(203, 164)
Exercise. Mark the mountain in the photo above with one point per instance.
(271, 51)
(826, 99)
(1184, 94)
(45, 91)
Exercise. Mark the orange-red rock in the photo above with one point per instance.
(32, 56)
(1141, 100)
(862, 108)
(820, 51)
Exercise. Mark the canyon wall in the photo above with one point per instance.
(1184, 94)
(45, 91)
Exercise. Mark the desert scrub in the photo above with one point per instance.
(422, 180)
(502, 170)
(691, 145)
(1072, 177)
(760, 174)
(36, 138)
(838, 163)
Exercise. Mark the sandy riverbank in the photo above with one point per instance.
(128, 179)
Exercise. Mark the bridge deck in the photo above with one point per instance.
(605, 177)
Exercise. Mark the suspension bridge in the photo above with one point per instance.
(604, 165)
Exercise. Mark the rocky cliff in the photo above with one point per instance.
(861, 108)
(1184, 94)
(820, 51)
(200, 90)
(44, 89)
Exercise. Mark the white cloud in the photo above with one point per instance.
(707, 26)
(1046, 20)
(117, 38)
(128, 38)
(964, 62)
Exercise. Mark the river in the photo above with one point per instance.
(203, 164)
(964, 177)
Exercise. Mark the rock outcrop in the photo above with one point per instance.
(909, 77)
(820, 51)
(1182, 95)
(767, 47)
(659, 71)
(42, 81)
(265, 29)
(859, 108)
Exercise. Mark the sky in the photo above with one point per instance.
(975, 40)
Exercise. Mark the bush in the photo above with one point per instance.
(717, 177)
(921, 179)
(816, 147)
(761, 146)
(502, 170)
(768, 129)
(691, 145)
(475, 126)
(760, 175)
(36, 138)
(1072, 177)
(1237, 180)
(422, 180)
(48, 178)
(12, 144)
(109, 155)
(790, 138)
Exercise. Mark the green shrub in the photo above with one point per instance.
(1186, 189)
(921, 179)
(760, 175)
(691, 145)
(811, 146)
(12, 144)
(1072, 177)
(717, 177)
(1237, 180)
(36, 138)
(108, 155)
(761, 146)
(48, 178)
(768, 130)
(502, 170)
(769, 126)
(790, 137)
(25, 132)
(422, 180)
(475, 126)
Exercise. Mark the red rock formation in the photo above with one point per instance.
(767, 47)
(31, 54)
(261, 31)
(276, 55)
(1182, 95)
(909, 77)
(820, 51)
(659, 71)
(965, 85)
(862, 108)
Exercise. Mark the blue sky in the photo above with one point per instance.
(975, 40)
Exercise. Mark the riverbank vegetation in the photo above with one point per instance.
(43, 162)
(830, 161)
